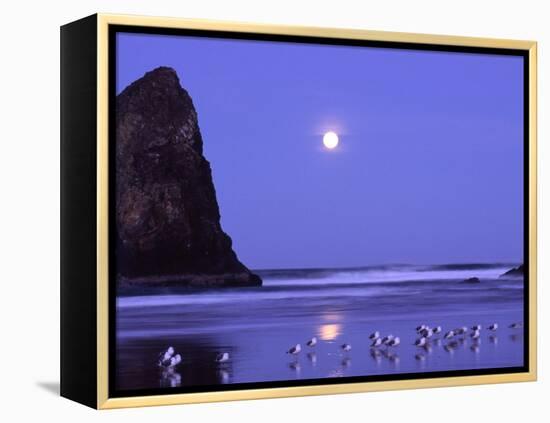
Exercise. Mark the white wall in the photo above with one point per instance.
(29, 175)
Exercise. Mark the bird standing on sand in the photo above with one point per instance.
(312, 342)
(426, 332)
(346, 347)
(449, 334)
(387, 339)
(493, 327)
(222, 357)
(165, 356)
(374, 335)
(376, 343)
(420, 342)
(515, 326)
(295, 350)
(461, 331)
(174, 361)
(476, 327)
(421, 327)
(394, 342)
(436, 330)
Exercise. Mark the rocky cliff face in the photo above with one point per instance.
(167, 216)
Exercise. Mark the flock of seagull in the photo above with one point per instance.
(169, 359)
(425, 335)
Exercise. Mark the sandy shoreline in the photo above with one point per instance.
(259, 354)
(256, 326)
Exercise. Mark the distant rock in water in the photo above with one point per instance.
(516, 272)
(471, 280)
(167, 217)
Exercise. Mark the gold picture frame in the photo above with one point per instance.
(102, 22)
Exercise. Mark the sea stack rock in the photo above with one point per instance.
(516, 272)
(168, 228)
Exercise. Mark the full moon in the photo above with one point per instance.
(330, 140)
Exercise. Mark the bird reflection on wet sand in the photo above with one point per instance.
(516, 337)
(376, 355)
(170, 379)
(346, 362)
(295, 366)
(312, 357)
(420, 357)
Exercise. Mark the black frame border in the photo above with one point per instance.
(113, 30)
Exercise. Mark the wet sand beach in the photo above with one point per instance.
(256, 326)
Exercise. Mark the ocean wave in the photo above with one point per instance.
(219, 297)
(327, 284)
(401, 274)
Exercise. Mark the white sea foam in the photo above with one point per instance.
(389, 275)
(221, 297)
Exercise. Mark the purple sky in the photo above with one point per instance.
(430, 163)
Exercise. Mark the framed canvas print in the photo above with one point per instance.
(252, 211)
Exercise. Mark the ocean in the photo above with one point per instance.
(257, 326)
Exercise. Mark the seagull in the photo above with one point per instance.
(312, 342)
(165, 356)
(426, 333)
(295, 349)
(222, 357)
(493, 327)
(515, 326)
(376, 343)
(461, 331)
(476, 327)
(475, 334)
(436, 330)
(174, 361)
(421, 327)
(387, 339)
(346, 347)
(394, 342)
(374, 335)
(420, 342)
(449, 334)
